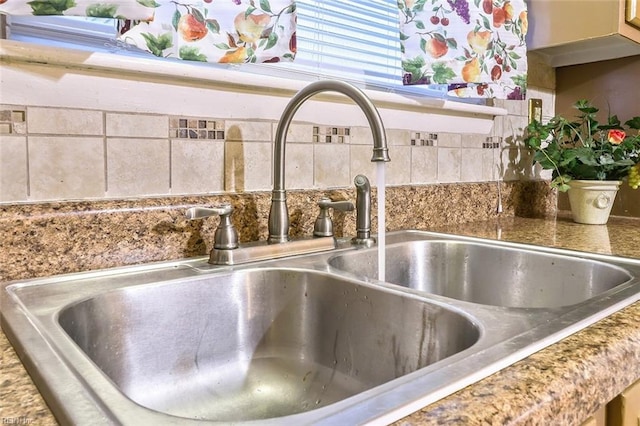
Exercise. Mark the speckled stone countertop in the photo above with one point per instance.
(562, 384)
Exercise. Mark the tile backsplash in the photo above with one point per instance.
(53, 154)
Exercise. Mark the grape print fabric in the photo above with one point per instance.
(476, 47)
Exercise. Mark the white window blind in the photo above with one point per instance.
(93, 34)
(355, 41)
(355, 38)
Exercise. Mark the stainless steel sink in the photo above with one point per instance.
(314, 339)
(486, 273)
(259, 343)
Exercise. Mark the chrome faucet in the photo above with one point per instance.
(279, 214)
(226, 250)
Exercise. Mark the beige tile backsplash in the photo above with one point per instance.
(197, 166)
(424, 164)
(67, 167)
(137, 125)
(247, 166)
(298, 173)
(13, 168)
(137, 167)
(449, 164)
(360, 162)
(398, 171)
(67, 154)
(331, 165)
(57, 121)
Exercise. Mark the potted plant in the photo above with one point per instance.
(587, 158)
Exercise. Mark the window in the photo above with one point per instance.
(91, 34)
(356, 41)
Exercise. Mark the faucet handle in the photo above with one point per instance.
(342, 205)
(324, 226)
(226, 236)
(201, 212)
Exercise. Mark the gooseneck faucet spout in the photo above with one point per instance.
(279, 214)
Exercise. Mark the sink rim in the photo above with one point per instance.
(389, 406)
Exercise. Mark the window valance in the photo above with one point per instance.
(230, 31)
(477, 47)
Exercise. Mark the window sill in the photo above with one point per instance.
(223, 79)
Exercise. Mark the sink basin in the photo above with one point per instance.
(487, 274)
(261, 343)
(311, 339)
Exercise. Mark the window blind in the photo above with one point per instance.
(355, 41)
(93, 34)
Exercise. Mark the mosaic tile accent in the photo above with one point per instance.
(492, 142)
(331, 134)
(13, 121)
(196, 128)
(424, 139)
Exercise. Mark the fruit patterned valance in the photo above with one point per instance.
(476, 47)
(226, 31)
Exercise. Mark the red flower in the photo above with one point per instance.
(616, 136)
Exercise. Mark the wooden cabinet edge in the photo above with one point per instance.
(598, 418)
(624, 410)
(611, 34)
(632, 12)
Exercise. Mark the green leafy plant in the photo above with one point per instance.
(50, 7)
(586, 149)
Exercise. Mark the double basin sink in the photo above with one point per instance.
(314, 339)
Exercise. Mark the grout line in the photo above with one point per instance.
(105, 162)
(28, 168)
(26, 138)
(170, 141)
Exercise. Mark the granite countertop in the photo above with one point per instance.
(562, 384)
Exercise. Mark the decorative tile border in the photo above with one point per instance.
(331, 134)
(13, 121)
(424, 139)
(196, 128)
(492, 142)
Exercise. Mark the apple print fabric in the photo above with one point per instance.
(476, 47)
(224, 31)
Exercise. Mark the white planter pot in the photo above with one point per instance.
(591, 200)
